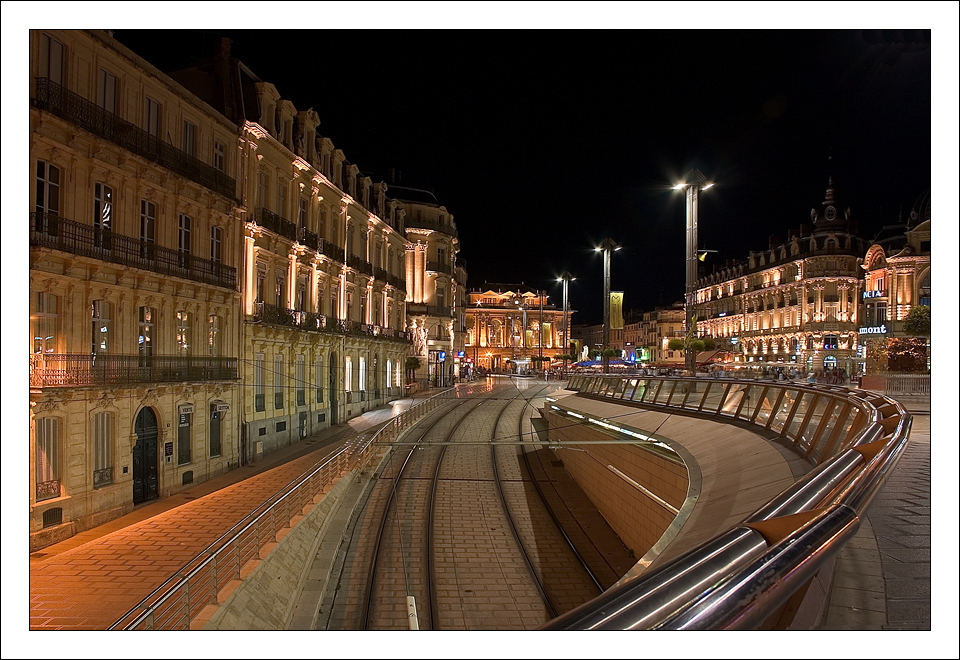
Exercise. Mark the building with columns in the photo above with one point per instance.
(512, 323)
(135, 252)
(323, 279)
(896, 278)
(795, 302)
(430, 262)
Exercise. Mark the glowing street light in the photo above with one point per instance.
(694, 182)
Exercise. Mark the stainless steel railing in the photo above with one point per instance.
(176, 602)
(742, 577)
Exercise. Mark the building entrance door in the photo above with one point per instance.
(145, 481)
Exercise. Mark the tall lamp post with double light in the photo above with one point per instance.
(566, 278)
(607, 246)
(694, 183)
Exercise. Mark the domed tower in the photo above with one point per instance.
(830, 215)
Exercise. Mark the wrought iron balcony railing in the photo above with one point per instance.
(73, 370)
(439, 267)
(359, 264)
(74, 108)
(48, 490)
(275, 223)
(311, 321)
(51, 231)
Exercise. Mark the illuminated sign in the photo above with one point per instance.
(874, 330)
(441, 356)
(874, 294)
(460, 354)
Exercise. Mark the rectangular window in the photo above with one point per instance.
(147, 322)
(259, 403)
(51, 59)
(301, 382)
(362, 374)
(102, 449)
(278, 382)
(347, 372)
(263, 189)
(214, 348)
(148, 223)
(151, 117)
(48, 188)
(188, 139)
(100, 330)
(282, 199)
(184, 334)
(48, 458)
(216, 244)
(45, 322)
(219, 157)
(184, 226)
(102, 212)
(183, 434)
(881, 313)
(107, 91)
(302, 217)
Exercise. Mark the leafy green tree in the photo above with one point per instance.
(411, 365)
(917, 323)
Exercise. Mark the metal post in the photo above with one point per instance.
(691, 314)
(607, 246)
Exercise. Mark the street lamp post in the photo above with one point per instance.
(566, 278)
(607, 246)
(694, 183)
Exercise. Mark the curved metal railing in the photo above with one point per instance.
(743, 578)
(176, 602)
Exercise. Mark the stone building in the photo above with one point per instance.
(323, 275)
(795, 302)
(135, 249)
(430, 263)
(897, 278)
(515, 324)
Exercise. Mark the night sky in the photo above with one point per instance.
(542, 143)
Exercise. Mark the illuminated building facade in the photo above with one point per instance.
(430, 266)
(322, 280)
(796, 302)
(505, 323)
(135, 251)
(897, 278)
(656, 329)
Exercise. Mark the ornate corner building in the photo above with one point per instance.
(796, 302)
(134, 257)
(512, 323)
(896, 279)
(434, 320)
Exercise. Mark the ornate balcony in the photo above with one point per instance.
(51, 231)
(450, 230)
(313, 322)
(47, 490)
(50, 370)
(58, 100)
(438, 267)
(102, 477)
(360, 265)
(275, 223)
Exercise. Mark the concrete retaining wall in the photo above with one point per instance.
(266, 598)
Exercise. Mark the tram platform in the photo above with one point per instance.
(883, 577)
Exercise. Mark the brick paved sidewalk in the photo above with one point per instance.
(89, 581)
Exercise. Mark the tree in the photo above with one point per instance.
(411, 365)
(917, 323)
(610, 352)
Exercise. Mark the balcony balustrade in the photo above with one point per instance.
(275, 223)
(73, 370)
(51, 231)
(48, 490)
(102, 477)
(68, 105)
(431, 224)
(439, 267)
(311, 321)
(358, 264)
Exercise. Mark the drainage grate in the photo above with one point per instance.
(52, 517)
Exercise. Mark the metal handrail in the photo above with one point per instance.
(736, 580)
(176, 602)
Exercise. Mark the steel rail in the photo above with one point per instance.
(736, 580)
(506, 507)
